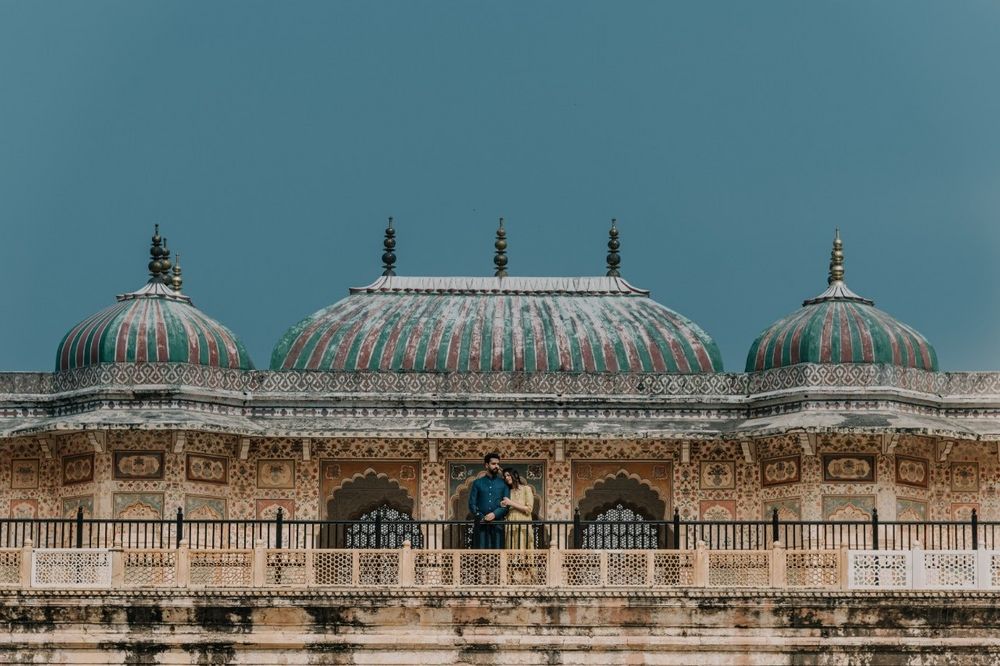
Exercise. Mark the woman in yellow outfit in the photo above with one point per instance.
(520, 535)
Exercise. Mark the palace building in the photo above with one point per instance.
(611, 405)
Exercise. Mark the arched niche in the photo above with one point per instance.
(362, 498)
(459, 500)
(626, 489)
(363, 492)
(617, 511)
(458, 536)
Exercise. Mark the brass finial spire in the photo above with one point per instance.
(389, 256)
(156, 254)
(614, 259)
(836, 260)
(837, 289)
(500, 260)
(176, 281)
(165, 263)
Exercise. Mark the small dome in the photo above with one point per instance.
(838, 326)
(499, 324)
(156, 324)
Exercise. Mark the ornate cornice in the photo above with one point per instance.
(847, 376)
(816, 398)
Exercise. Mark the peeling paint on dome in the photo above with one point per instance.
(152, 325)
(600, 324)
(838, 326)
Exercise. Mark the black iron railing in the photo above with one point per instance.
(873, 534)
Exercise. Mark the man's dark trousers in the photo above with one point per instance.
(488, 534)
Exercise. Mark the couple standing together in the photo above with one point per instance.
(498, 495)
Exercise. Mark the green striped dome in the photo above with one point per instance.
(153, 325)
(840, 331)
(838, 326)
(600, 324)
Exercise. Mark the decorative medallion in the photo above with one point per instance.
(849, 467)
(138, 506)
(779, 471)
(70, 506)
(198, 507)
(407, 473)
(78, 468)
(912, 471)
(137, 465)
(24, 508)
(24, 473)
(207, 469)
(965, 477)
(660, 472)
(848, 507)
(717, 509)
(908, 510)
(276, 474)
(789, 508)
(963, 511)
(267, 509)
(718, 475)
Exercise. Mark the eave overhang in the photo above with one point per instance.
(809, 399)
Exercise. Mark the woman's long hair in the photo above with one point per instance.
(515, 478)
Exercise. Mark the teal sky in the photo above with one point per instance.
(271, 141)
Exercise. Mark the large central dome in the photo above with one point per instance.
(498, 324)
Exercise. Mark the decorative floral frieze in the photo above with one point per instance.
(485, 383)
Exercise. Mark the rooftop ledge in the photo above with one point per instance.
(756, 385)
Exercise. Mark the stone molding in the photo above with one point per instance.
(304, 403)
(374, 594)
(509, 383)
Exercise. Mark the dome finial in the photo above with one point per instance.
(176, 281)
(614, 259)
(836, 260)
(165, 263)
(156, 254)
(500, 260)
(389, 256)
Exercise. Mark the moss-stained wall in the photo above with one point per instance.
(500, 627)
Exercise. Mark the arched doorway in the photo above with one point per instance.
(370, 510)
(616, 513)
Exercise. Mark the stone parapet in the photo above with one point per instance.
(551, 569)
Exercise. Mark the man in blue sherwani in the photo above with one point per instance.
(484, 503)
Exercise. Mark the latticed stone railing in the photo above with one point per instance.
(406, 568)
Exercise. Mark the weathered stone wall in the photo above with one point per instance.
(500, 627)
(145, 473)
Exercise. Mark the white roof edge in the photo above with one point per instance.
(583, 286)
